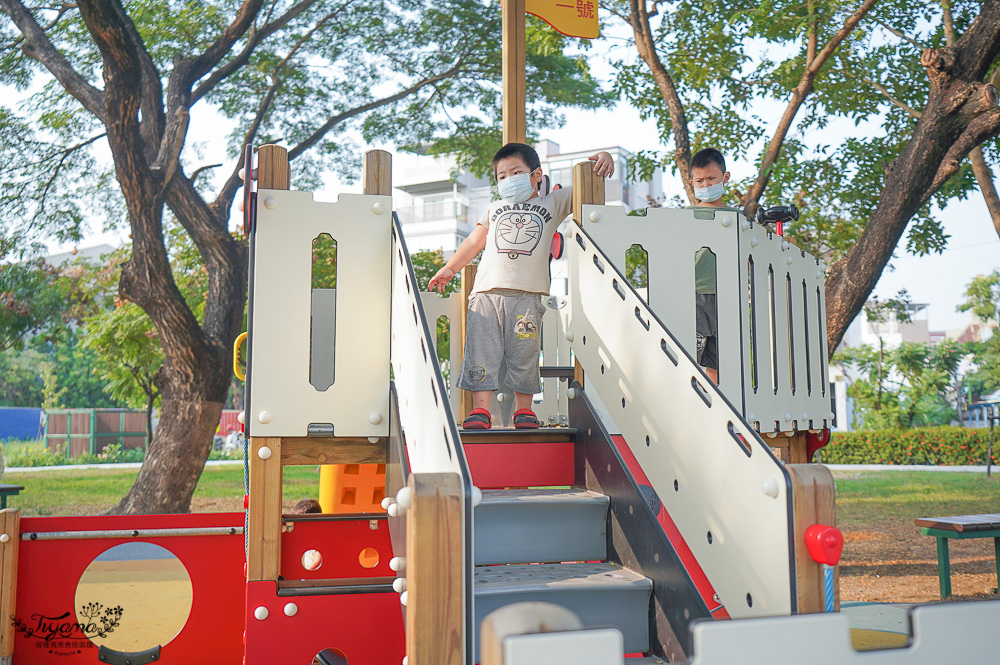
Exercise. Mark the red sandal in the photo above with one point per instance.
(526, 419)
(478, 419)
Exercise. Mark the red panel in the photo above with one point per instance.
(49, 570)
(340, 542)
(228, 422)
(497, 465)
(685, 554)
(367, 628)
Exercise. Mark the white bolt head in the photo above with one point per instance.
(751, 417)
(375, 418)
(405, 660)
(501, 397)
(378, 208)
(819, 274)
(243, 173)
(386, 502)
(241, 206)
(397, 564)
(265, 417)
(399, 584)
(291, 609)
(570, 336)
(571, 393)
(373, 439)
(831, 415)
(260, 613)
(770, 488)
(788, 417)
(726, 221)
(4, 537)
(745, 225)
(394, 510)
(785, 245)
(595, 216)
(477, 496)
(402, 598)
(270, 203)
(789, 259)
(241, 417)
(754, 241)
(805, 416)
(264, 452)
(404, 497)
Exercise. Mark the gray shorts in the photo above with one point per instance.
(503, 324)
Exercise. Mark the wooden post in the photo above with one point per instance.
(588, 189)
(435, 575)
(10, 525)
(512, 29)
(272, 167)
(468, 278)
(525, 618)
(377, 178)
(264, 522)
(813, 497)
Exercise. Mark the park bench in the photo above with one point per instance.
(8, 490)
(959, 526)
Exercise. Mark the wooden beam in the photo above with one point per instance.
(264, 520)
(813, 497)
(304, 450)
(272, 167)
(10, 525)
(512, 29)
(468, 279)
(588, 189)
(377, 177)
(435, 576)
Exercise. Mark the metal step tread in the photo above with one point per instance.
(500, 435)
(543, 496)
(645, 660)
(556, 576)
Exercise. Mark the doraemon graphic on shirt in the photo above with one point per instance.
(518, 232)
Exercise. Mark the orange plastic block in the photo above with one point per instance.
(352, 488)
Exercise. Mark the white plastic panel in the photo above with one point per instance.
(799, 327)
(602, 646)
(730, 499)
(432, 442)
(284, 402)
(949, 633)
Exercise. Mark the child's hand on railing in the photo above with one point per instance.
(440, 279)
(604, 164)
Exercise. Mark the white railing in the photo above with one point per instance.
(721, 485)
(283, 398)
(771, 328)
(432, 447)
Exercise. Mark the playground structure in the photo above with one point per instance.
(683, 520)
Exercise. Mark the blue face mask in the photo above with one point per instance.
(516, 188)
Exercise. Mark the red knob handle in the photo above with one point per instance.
(825, 543)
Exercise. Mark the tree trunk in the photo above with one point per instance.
(961, 113)
(175, 458)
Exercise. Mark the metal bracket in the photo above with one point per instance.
(106, 655)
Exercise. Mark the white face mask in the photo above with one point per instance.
(710, 193)
(516, 189)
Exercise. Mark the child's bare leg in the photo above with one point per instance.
(522, 400)
(481, 399)
(713, 374)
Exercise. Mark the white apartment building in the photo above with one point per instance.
(439, 206)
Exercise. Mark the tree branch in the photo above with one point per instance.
(799, 94)
(64, 155)
(646, 45)
(333, 121)
(254, 40)
(195, 68)
(38, 47)
(900, 34)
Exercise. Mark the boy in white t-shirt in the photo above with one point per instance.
(505, 307)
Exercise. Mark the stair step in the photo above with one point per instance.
(497, 457)
(601, 594)
(645, 660)
(541, 525)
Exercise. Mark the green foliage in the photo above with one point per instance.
(731, 60)
(20, 379)
(982, 298)
(425, 265)
(903, 387)
(948, 446)
(35, 453)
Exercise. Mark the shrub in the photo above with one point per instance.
(32, 454)
(937, 446)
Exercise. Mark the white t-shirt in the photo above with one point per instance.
(516, 255)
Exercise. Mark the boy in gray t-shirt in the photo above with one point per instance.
(505, 308)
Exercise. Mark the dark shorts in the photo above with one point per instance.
(707, 330)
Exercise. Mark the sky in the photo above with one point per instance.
(938, 279)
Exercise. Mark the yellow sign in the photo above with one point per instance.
(573, 18)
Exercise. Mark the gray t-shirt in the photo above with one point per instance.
(516, 255)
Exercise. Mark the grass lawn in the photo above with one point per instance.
(91, 491)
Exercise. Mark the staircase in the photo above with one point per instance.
(557, 545)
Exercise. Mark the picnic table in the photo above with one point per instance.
(960, 527)
(8, 490)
